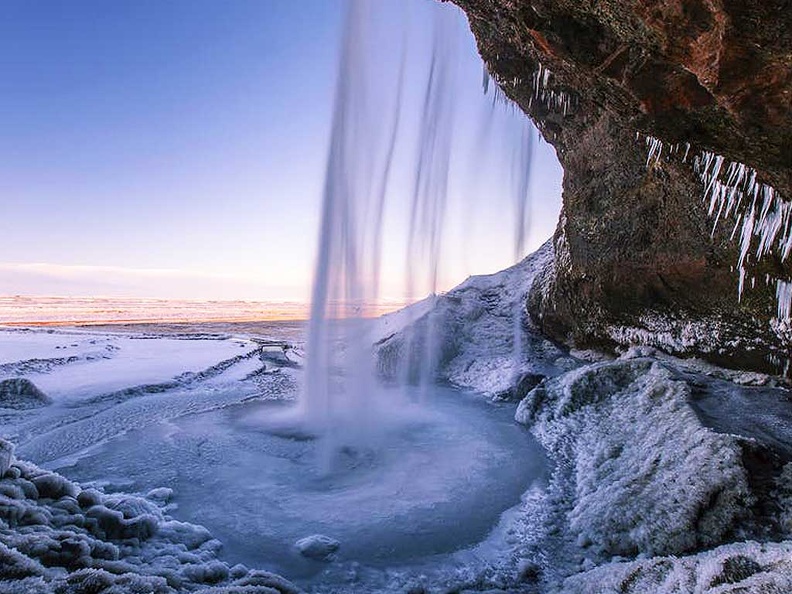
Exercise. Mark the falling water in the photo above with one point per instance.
(521, 172)
(340, 397)
(429, 197)
(518, 140)
(339, 394)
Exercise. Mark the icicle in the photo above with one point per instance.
(784, 296)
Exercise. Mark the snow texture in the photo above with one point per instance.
(472, 328)
(609, 426)
(58, 537)
(747, 567)
(639, 475)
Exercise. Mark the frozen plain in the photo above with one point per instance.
(664, 474)
(165, 428)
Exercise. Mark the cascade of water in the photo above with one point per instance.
(338, 394)
(520, 137)
(429, 196)
(521, 171)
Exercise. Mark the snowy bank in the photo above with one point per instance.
(472, 327)
(58, 537)
(645, 494)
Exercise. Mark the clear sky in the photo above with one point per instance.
(176, 148)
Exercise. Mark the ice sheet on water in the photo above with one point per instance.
(380, 500)
(77, 365)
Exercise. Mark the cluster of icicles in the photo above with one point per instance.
(551, 99)
(759, 213)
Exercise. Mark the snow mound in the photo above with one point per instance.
(640, 472)
(742, 567)
(21, 394)
(58, 537)
(472, 331)
(318, 546)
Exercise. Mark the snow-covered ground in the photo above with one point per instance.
(82, 365)
(666, 475)
(160, 432)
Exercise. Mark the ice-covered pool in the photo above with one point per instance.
(436, 481)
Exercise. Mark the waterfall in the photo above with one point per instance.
(522, 164)
(339, 392)
(340, 400)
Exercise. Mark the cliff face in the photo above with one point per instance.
(636, 255)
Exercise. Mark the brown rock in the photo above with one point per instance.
(636, 257)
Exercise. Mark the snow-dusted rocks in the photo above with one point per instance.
(640, 472)
(318, 547)
(20, 393)
(472, 330)
(639, 475)
(57, 537)
(748, 567)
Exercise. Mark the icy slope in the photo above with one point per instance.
(473, 327)
(641, 474)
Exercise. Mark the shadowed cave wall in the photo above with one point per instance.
(636, 256)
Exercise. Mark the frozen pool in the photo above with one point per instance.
(437, 480)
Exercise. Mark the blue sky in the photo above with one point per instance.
(176, 148)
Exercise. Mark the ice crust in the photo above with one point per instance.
(473, 326)
(58, 537)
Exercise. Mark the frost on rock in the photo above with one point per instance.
(471, 330)
(639, 471)
(56, 537)
(318, 546)
(742, 567)
(715, 336)
(20, 393)
(638, 474)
